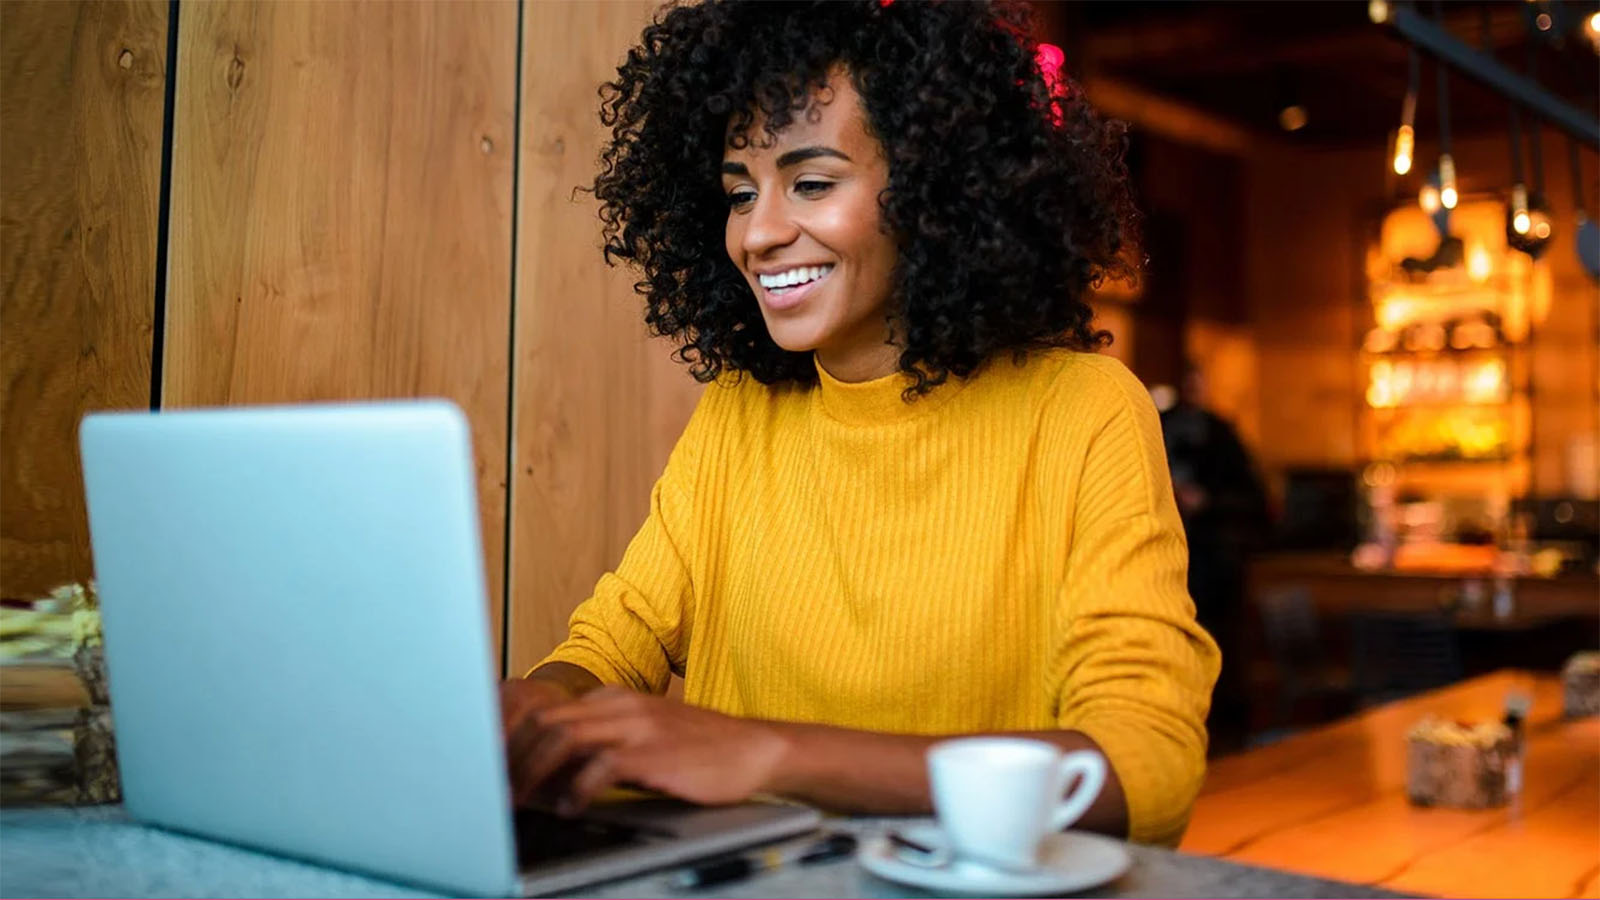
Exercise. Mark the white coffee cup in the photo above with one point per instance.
(997, 797)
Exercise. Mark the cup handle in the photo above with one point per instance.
(1091, 767)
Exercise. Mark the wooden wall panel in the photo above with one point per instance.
(341, 213)
(1303, 287)
(598, 406)
(82, 102)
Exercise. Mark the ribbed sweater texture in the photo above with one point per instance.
(1002, 554)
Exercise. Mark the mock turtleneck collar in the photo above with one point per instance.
(879, 401)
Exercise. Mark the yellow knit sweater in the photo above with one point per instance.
(1003, 554)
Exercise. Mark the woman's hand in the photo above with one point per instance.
(613, 736)
(521, 699)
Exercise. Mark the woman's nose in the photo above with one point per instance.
(770, 226)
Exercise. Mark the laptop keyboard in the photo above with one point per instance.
(544, 837)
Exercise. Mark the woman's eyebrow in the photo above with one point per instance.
(792, 158)
(795, 157)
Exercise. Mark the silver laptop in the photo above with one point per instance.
(299, 661)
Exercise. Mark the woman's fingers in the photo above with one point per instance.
(540, 753)
(559, 745)
(520, 702)
(596, 776)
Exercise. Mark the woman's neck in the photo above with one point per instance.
(862, 363)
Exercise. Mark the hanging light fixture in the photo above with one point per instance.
(1448, 195)
(1428, 197)
(1405, 147)
(1405, 137)
(1521, 223)
(1539, 223)
(1528, 223)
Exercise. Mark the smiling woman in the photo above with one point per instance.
(805, 230)
(930, 509)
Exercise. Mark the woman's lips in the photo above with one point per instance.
(788, 298)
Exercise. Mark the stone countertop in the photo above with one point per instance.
(99, 852)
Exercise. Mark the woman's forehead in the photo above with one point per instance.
(832, 117)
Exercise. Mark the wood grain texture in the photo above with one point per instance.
(341, 213)
(598, 404)
(1331, 803)
(82, 102)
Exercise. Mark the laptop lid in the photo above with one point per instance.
(296, 636)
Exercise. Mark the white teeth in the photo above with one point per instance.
(797, 275)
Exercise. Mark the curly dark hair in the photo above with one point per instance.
(1007, 200)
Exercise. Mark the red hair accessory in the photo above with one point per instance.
(1050, 61)
(1050, 58)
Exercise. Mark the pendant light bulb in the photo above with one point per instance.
(1520, 220)
(1447, 181)
(1405, 145)
(1428, 198)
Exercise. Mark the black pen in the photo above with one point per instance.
(743, 865)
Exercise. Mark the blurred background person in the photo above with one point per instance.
(1224, 509)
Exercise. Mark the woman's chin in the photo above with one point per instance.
(794, 339)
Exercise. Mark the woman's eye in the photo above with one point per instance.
(812, 188)
(740, 198)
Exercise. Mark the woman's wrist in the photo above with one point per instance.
(788, 770)
(847, 770)
(573, 681)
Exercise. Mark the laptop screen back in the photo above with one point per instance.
(296, 634)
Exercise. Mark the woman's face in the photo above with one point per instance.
(805, 229)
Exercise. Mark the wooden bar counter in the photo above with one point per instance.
(1331, 803)
(1335, 586)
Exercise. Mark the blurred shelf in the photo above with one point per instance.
(1437, 463)
(1451, 460)
(1448, 352)
(1437, 405)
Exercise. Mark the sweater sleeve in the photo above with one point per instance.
(634, 629)
(1131, 667)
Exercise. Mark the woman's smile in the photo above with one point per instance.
(785, 289)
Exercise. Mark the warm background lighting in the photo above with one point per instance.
(1405, 144)
(1479, 266)
(1428, 199)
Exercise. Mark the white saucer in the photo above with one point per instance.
(1071, 861)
